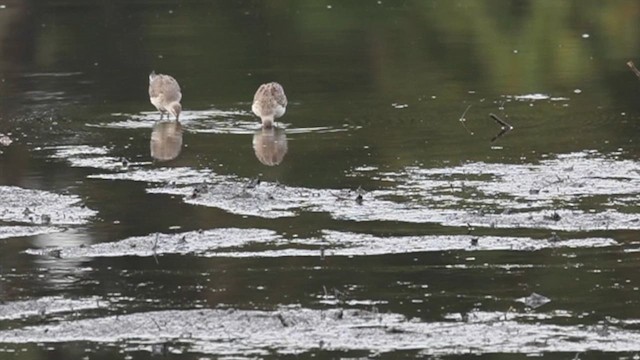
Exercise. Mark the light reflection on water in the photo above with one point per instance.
(374, 211)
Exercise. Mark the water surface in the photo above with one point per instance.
(384, 217)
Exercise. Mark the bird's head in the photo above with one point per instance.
(267, 122)
(175, 108)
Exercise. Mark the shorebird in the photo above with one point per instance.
(269, 103)
(164, 94)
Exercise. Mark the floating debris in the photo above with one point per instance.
(5, 140)
(532, 97)
(253, 183)
(55, 253)
(290, 331)
(633, 68)
(46, 219)
(463, 120)
(240, 243)
(199, 190)
(505, 127)
(553, 217)
(87, 156)
(435, 195)
(39, 207)
(534, 300)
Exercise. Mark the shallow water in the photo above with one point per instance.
(388, 216)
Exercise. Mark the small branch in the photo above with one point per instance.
(463, 120)
(154, 248)
(505, 127)
(633, 68)
(501, 122)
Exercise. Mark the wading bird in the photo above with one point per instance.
(269, 103)
(164, 94)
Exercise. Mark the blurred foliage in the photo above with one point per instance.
(385, 46)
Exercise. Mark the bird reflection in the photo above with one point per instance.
(270, 145)
(166, 140)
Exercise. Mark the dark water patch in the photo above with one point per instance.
(242, 243)
(45, 306)
(51, 74)
(46, 96)
(299, 330)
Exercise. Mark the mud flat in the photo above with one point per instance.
(295, 330)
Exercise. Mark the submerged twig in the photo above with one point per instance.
(633, 68)
(463, 120)
(500, 134)
(2, 294)
(154, 248)
(359, 198)
(505, 127)
(253, 183)
(500, 121)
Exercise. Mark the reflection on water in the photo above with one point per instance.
(166, 140)
(270, 145)
(444, 243)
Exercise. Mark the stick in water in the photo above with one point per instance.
(504, 127)
(501, 122)
(463, 120)
(633, 68)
